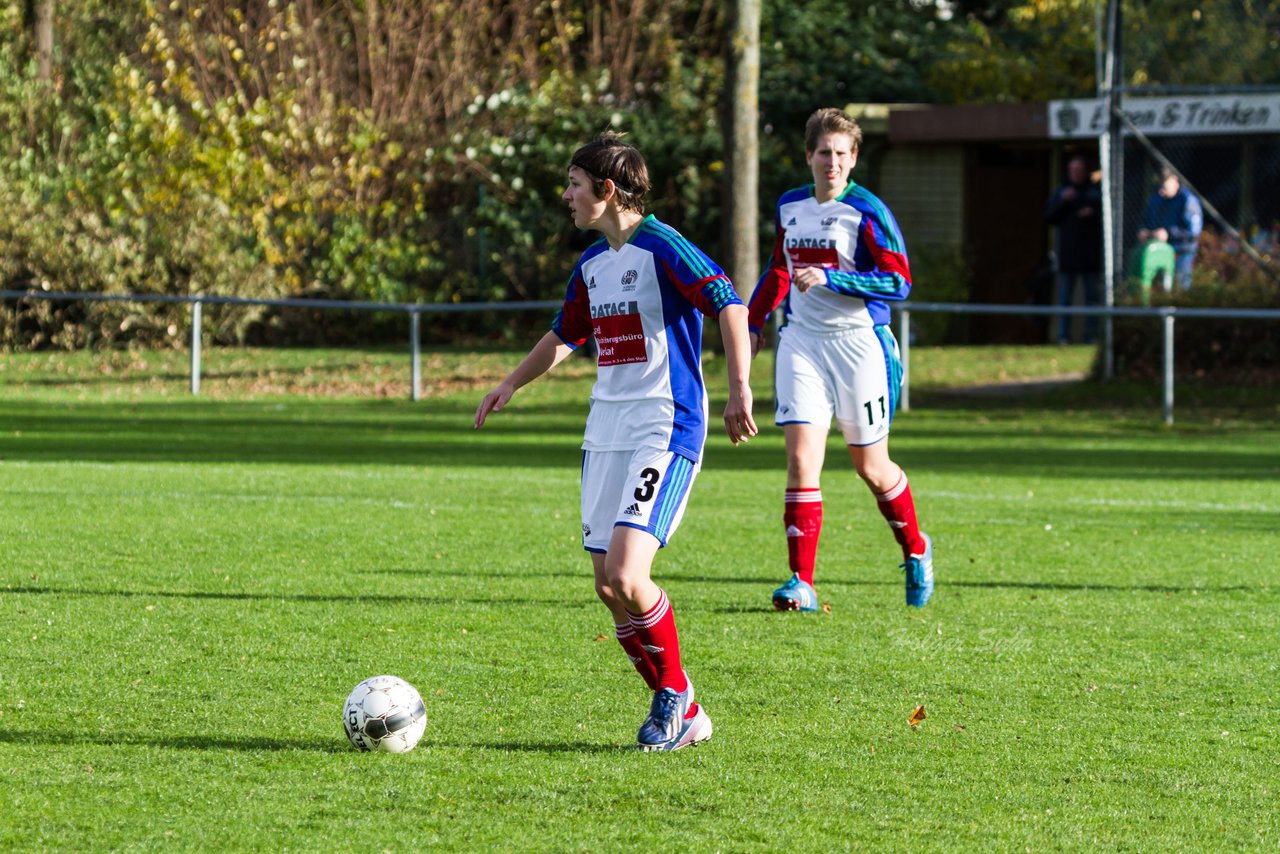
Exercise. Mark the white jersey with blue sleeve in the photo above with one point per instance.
(856, 240)
(644, 304)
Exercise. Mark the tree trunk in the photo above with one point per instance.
(44, 39)
(742, 145)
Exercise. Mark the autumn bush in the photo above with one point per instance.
(400, 151)
(385, 152)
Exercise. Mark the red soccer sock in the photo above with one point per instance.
(802, 516)
(636, 652)
(656, 631)
(899, 510)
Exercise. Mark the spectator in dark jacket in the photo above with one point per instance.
(1075, 211)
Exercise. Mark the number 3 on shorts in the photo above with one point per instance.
(648, 480)
(646, 488)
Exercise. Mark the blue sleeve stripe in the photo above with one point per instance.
(874, 282)
(690, 254)
(721, 293)
(878, 209)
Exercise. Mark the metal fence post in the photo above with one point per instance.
(415, 354)
(904, 348)
(1108, 348)
(197, 314)
(1168, 367)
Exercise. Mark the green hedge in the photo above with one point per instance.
(1242, 351)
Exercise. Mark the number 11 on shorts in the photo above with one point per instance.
(870, 407)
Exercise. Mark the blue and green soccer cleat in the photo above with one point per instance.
(919, 575)
(795, 595)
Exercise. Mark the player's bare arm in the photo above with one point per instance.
(545, 355)
(738, 420)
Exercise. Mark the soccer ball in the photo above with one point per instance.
(384, 713)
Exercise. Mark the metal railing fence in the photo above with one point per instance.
(1166, 316)
(414, 310)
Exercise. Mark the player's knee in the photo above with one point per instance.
(802, 469)
(626, 589)
(606, 594)
(879, 475)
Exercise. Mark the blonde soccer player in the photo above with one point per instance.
(838, 260)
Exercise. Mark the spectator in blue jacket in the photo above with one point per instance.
(1174, 216)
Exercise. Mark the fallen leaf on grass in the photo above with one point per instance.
(826, 608)
(916, 717)
(602, 637)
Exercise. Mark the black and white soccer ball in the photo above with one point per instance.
(385, 713)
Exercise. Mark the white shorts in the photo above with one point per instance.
(853, 376)
(645, 488)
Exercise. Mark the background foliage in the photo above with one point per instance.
(381, 151)
(393, 150)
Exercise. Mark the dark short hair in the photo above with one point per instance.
(829, 120)
(608, 157)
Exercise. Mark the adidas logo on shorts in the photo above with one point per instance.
(633, 510)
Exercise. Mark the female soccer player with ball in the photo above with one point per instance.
(839, 257)
(640, 292)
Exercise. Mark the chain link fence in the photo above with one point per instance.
(1199, 171)
(1188, 124)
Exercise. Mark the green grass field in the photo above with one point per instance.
(190, 587)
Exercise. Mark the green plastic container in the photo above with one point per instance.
(1151, 266)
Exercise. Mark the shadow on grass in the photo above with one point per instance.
(584, 573)
(1041, 442)
(181, 377)
(297, 431)
(258, 745)
(100, 380)
(354, 598)
(1038, 586)
(185, 742)
(1104, 588)
(544, 747)
(772, 580)
(746, 609)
